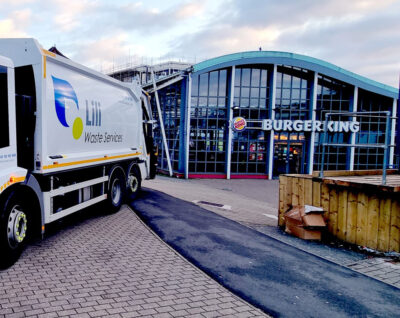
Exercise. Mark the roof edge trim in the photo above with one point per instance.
(236, 57)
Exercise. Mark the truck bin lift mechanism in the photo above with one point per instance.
(70, 138)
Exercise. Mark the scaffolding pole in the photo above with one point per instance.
(161, 125)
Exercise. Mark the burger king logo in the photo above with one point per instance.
(239, 123)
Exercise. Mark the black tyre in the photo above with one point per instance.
(15, 228)
(133, 182)
(116, 189)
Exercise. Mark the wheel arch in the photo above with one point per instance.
(31, 196)
(134, 165)
(112, 169)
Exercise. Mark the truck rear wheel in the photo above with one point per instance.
(134, 182)
(15, 223)
(116, 189)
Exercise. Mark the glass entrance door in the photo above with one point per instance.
(288, 158)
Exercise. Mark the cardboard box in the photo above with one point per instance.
(313, 220)
(294, 216)
(302, 232)
(304, 225)
(310, 217)
(312, 209)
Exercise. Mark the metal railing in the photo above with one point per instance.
(385, 146)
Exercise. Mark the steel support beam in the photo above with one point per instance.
(272, 134)
(313, 118)
(393, 133)
(162, 125)
(230, 117)
(354, 108)
(187, 122)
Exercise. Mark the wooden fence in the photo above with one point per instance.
(358, 212)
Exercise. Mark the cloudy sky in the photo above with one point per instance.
(362, 36)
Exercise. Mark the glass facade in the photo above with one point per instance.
(372, 130)
(251, 101)
(332, 97)
(208, 122)
(292, 103)
(297, 98)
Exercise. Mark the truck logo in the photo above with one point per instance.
(63, 91)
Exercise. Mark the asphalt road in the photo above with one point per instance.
(278, 278)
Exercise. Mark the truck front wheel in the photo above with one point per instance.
(15, 222)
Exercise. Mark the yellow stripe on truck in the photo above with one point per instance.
(45, 52)
(44, 66)
(17, 179)
(12, 181)
(66, 164)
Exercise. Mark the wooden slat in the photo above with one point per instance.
(295, 191)
(282, 197)
(394, 240)
(362, 219)
(333, 211)
(373, 222)
(316, 193)
(351, 226)
(342, 214)
(301, 190)
(336, 173)
(308, 191)
(325, 201)
(288, 201)
(384, 224)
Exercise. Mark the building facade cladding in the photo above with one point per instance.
(268, 85)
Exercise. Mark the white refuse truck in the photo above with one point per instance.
(70, 138)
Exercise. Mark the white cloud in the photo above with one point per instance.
(14, 26)
(352, 34)
(190, 9)
(359, 35)
(8, 29)
(70, 14)
(107, 52)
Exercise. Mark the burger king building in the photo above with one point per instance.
(260, 114)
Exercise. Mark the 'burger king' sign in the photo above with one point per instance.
(239, 123)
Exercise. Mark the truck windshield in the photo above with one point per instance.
(4, 132)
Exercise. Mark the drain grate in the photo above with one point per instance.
(211, 203)
(217, 205)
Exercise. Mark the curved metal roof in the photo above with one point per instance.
(303, 61)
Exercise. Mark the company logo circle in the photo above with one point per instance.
(239, 123)
(77, 128)
(63, 92)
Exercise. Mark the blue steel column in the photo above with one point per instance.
(313, 109)
(187, 123)
(182, 127)
(393, 133)
(353, 108)
(272, 133)
(230, 117)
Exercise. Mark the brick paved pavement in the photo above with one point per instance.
(111, 266)
(383, 269)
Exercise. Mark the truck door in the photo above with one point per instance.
(151, 147)
(4, 112)
(25, 112)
